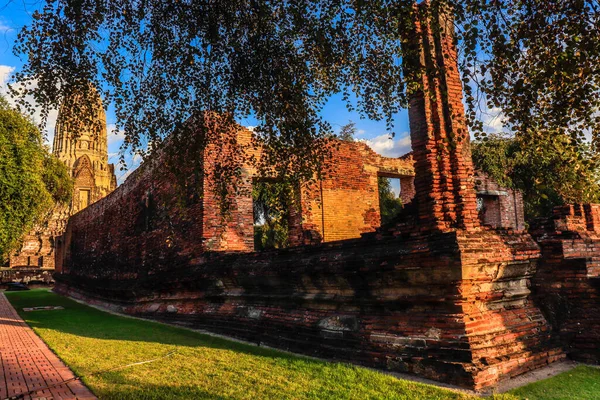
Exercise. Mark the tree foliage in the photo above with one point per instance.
(347, 132)
(549, 173)
(271, 203)
(160, 62)
(57, 179)
(31, 179)
(538, 61)
(389, 205)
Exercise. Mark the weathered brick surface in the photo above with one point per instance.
(567, 284)
(451, 306)
(500, 207)
(444, 181)
(420, 304)
(346, 202)
(437, 294)
(508, 334)
(26, 275)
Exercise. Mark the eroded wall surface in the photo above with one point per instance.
(499, 207)
(345, 203)
(438, 294)
(393, 301)
(567, 284)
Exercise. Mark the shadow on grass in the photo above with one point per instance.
(85, 321)
(221, 369)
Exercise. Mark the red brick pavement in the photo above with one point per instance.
(26, 363)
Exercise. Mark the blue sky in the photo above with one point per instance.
(15, 14)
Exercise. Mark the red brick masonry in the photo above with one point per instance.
(567, 284)
(26, 363)
(437, 294)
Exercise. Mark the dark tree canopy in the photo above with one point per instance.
(159, 62)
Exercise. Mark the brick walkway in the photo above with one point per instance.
(26, 363)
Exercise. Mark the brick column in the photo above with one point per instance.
(444, 180)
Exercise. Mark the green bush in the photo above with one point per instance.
(31, 179)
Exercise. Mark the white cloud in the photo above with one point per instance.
(387, 146)
(114, 136)
(6, 72)
(493, 120)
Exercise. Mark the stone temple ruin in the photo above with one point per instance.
(84, 150)
(455, 290)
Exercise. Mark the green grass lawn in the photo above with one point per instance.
(581, 382)
(206, 367)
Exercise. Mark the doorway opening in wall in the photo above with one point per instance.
(84, 198)
(271, 200)
(390, 203)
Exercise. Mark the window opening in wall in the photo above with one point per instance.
(390, 203)
(271, 205)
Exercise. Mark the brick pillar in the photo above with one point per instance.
(444, 180)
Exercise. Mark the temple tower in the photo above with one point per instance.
(81, 143)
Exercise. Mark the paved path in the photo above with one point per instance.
(26, 363)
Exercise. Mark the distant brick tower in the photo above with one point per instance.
(82, 146)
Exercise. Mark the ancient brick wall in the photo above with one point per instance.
(451, 306)
(418, 305)
(26, 275)
(508, 335)
(345, 203)
(567, 284)
(361, 300)
(444, 183)
(500, 207)
(436, 295)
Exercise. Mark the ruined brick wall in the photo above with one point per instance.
(150, 221)
(437, 294)
(508, 335)
(37, 251)
(381, 303)
(567, 284)
(399, 302)
(345, 203)
(407, 189)
(444, 184)
(235, 230)
(26, 275)
(502, 207)
(450, 306)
